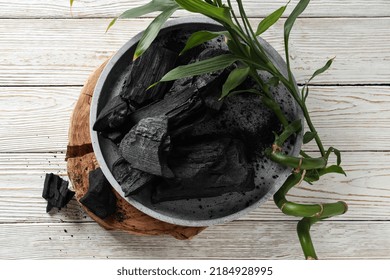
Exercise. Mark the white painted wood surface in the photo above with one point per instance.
(45, 56)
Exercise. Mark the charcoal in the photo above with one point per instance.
(187, 160)
(130, 179)
(56, 192)
(230, 173)
(114, 136)
(180, 93)
(99, 198)
(145, 71)
(182, 118)
(189, 101)
(241, 116)
(147, 145)
(114, 115)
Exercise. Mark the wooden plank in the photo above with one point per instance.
(236, 240)
(36, 119)
(64, 52)
(109, 8)
(350, 118)
(366, 189)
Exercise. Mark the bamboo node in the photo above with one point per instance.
(345, 205)
(302, 177)
(281, 208)
(276, 148)
(298, 169)
(317, 215)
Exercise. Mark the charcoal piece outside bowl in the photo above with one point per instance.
(193, 212)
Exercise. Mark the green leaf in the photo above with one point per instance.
(336, 152)
(200, 37)
(288, 26)
(289, 130)
(332, 169)
(270, 20)
(308, 136)
(152, 31)
(249, 90)
(293, 16)
(221, 14)
(235, 78)
(322, 70)
(200, 67)
(274, 81)
(71, 2)
(312, 176)
(111, 24)
(153, 6)
(234, 48)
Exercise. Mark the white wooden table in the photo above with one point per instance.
(45, 57)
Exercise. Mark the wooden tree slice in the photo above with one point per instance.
(81, 160)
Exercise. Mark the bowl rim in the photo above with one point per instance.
(109, 176)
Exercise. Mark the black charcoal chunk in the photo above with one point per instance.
(199, 175)
(147, 145)
(114, 115)
(242, 116)
(180, 93)
(145, 71)
(130, 179)
(183, 117)
(114, 136)
(56, 192)
(187, 160)
(99, 198)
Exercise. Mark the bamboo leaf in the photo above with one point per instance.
(336, 152)
(200, 67)
(221, 14)
(235, 78)
(273, 82)
(249, 90)
(153, 6)
(322, 70)
(332, 169)
(270, 20)
(308, 136)
(111, 24)
(200, 37)
(242, 50)
(312, 176)
(152, 31)
(288, 26)
(293, 16)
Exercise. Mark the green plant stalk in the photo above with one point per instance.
(303, 230)
(305, 111)
(304, 225)
(289, 130)
(311, 213)
(295, 162)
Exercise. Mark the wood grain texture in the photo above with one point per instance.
(236, 240)
(64, 52)
(337, 111)
(109, 8)
(366, 189)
